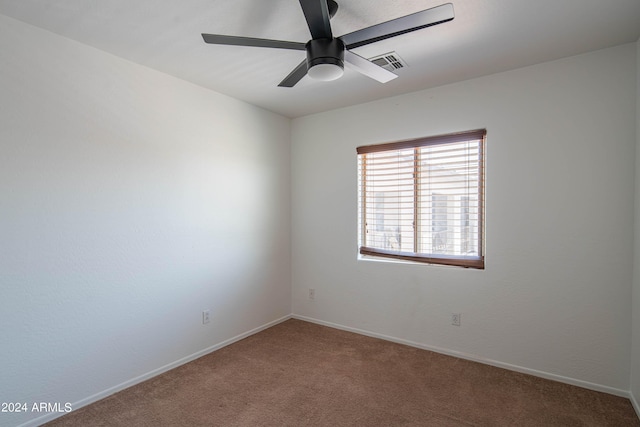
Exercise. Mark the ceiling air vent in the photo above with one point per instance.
(389, 61)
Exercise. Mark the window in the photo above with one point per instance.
(423, 200)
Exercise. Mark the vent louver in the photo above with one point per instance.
(389, 61)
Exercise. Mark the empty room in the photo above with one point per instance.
(319, 212)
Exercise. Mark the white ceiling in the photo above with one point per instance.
(486, 36)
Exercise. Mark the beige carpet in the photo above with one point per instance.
(301, 374)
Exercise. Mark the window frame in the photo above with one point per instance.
(475, 261)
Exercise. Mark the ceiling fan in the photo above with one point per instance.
(327, 54)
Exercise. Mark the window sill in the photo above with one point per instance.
(476, 263)
(384, 260)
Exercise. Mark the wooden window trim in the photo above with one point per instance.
(423, 142)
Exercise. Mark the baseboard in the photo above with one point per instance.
(635, 404)
(474, 358)
(108, 392)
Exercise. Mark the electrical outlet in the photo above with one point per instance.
(206, 317)
(312, 294)
(456, 319)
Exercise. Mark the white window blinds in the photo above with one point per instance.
(423, 200)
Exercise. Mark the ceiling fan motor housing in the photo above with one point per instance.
(325, 52)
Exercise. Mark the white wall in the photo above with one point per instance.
(129, 202)
(555, 296)
(635, 337)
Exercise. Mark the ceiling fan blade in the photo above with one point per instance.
(395, 27)
(249, 41)
(295, 76)
(368, 68)
(316, 12)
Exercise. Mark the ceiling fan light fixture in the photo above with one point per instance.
(325, 59)
(326, 71)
